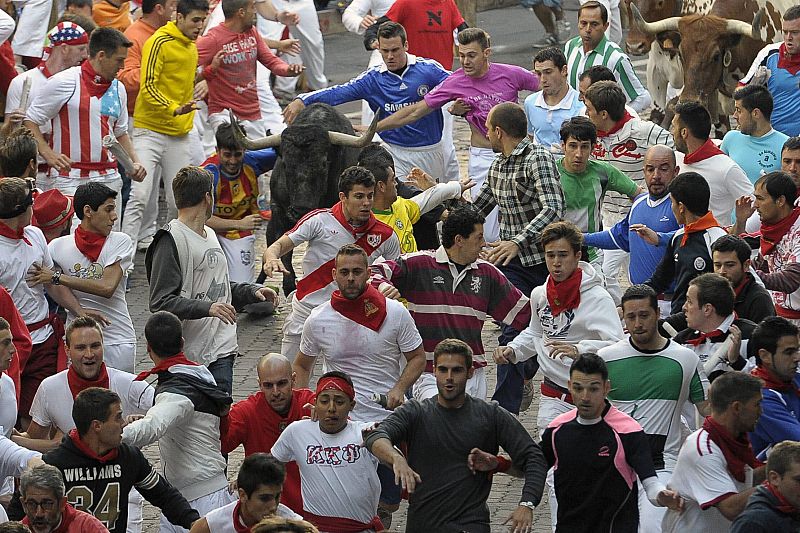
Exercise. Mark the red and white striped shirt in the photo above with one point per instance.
(78, 124)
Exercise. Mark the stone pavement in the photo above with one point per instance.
(262, 335)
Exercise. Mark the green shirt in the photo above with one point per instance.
(583, 193)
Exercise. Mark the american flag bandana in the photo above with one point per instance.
(63, 33)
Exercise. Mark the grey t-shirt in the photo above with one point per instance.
(450, 499)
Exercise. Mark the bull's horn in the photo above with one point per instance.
(241, 137)
(653, 28)
(755, 27)
(345, 139)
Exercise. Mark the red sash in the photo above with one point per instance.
(58, 331)
(332, 524)
(374, 232)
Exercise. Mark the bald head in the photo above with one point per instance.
(276, 379)
(659, 169)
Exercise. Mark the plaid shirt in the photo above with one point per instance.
(526, 187)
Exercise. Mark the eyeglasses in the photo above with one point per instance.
(46, 505)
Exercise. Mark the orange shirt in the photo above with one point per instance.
(130, 74)
(106, 15)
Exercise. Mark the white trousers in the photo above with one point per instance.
(480, 159)
(271, 113)
(425, 387)
(135, 512)
(203, 505)
(169, 152)
(252, 128)
(549, 409)
(241, 255)
(120, 356)
(650, 516)
(312, 54)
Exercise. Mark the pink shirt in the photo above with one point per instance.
(501, 83)
(233, 85)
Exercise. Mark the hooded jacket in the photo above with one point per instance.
(761, 516)
(594, 324)
(185, 420)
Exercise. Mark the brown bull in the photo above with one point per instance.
(716, 50)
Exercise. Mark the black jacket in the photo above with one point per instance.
(761, 516)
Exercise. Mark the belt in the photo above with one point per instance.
(551, 390)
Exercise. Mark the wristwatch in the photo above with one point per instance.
(56, 278)
(529, 505)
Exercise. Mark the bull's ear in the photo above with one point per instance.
(669, 40)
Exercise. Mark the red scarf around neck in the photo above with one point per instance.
(338, 214)
(702, 337)
(165, 365)
(77, 383)
(566, 294)
(94, 82)
(783, 504)
(88, 452)
(708, 149)
(737, 450)
(787, 62)
(89, 243)
(771, 381)
(771, 234)
(703, 223)
(238, 523)
(616, 127)
(369, 309)
(15, 234)
(746, 279)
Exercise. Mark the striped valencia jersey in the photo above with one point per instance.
(236, 197)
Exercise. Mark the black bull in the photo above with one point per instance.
(312, 153)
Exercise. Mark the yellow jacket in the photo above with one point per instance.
(169, 62)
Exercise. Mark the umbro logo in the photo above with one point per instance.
(438, 279)
(664, 218)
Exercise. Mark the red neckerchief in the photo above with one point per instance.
(566, 294)
(771, 234)
(783, 504)
(237, 522)
(616, 127)
(16, 234)
(787, 62)
(68, 515)
(94, 82)
(165, 365)
(737, 450)
(771, 381)
(43, 69)
(743, 284)
(702, 337)
(369, 309)
(708, 149)
(701, 224)
(88, 452)
(338, 214)
(77, 383)
(89, 243)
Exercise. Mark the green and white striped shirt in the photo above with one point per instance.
(610, 55)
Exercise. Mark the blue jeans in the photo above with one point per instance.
(222, 370)
(510, 378)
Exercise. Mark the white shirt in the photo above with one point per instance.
(222, 520)
(372, 359)
(325, 235)
(338, 474)
(701, 476)
(118, 248)
(14, 95)
(355, 12)
(726, 180)
(52, 405)
(16, 258)
(8, 417)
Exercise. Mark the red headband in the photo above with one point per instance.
(335, 383)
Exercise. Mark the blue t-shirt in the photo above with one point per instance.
(386, 93)
(544, 121)
(785, 89)
(756, 155)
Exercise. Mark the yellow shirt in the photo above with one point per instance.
(402, 216)
(169, 61)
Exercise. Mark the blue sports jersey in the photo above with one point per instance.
(656, 215)
(386, 92)
(784, 87)
(756, 155)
